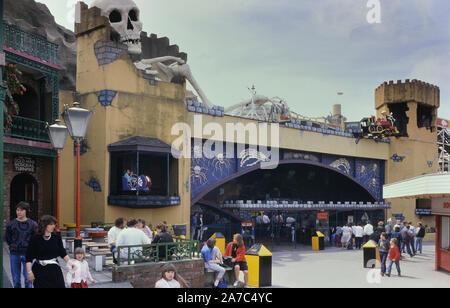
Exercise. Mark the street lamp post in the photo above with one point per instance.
(77, 121)
(58, 136)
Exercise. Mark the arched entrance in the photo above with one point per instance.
(24, 187)
(293, 180)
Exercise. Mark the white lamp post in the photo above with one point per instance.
(77, 120)
(58, 136)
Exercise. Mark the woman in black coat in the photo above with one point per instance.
(44, 248)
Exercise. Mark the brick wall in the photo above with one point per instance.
(39, 175)
(145, 275)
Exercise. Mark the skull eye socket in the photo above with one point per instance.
(133, 15)
(115, 16)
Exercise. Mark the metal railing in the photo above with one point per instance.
(29, 43)
(26, 128)
(178, 250)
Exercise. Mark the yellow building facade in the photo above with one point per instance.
(138, 107)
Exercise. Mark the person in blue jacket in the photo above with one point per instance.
(383, 248)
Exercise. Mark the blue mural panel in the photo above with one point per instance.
(343, 164)
(370, 173)
(208, 169)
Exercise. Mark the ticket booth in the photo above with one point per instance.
(437, 188)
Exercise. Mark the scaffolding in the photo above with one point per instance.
(444, 147)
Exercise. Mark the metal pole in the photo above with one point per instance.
(78, 241)
(2, 91)
(57, 192)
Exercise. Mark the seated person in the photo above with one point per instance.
(162, 236)
(236, 250)
(126, 180)
(212, 257)
(131, 236)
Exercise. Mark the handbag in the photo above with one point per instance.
(227, 261)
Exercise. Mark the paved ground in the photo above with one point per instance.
(298, 267)
(335, 267)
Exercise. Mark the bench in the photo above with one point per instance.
(98, 258)
(210, 276)
(91, 246)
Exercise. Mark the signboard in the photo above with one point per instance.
(423, 212)
(24, 164)
(440, 206)
(443, 123)
(245, 224)
(322, 216)
(2, 59)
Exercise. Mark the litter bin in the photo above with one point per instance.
(318, 241)
(220, 241)
(259, 260)
(371, 255)
(179, 230)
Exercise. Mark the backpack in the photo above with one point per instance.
(222, 284)
(421, 233)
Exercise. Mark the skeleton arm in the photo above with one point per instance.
(178, 68)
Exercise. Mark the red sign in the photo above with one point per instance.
(443, 123)
(322, 216)
(247, 224)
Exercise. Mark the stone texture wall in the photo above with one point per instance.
(145, 275)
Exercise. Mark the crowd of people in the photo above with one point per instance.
(34, 250)
(392, 240)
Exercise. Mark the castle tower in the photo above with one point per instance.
(414, 104)
(130, 130)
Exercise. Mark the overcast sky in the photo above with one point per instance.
(304, 51)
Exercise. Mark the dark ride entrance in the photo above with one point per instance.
(292, 202)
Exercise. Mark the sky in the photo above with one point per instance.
(304, 51)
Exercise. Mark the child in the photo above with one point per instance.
(236, 250)
(383, 248)
(169, 278)
(78, 277)
(394, 256)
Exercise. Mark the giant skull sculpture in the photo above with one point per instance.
(124, 18)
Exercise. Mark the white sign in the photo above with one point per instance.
(440, 206)
(24, 164)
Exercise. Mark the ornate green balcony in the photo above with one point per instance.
(29, 43)
(25, 128)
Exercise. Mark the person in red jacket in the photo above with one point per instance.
(394, 257)
(236, 250)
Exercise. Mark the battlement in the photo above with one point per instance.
(407, 91)
(90, 20)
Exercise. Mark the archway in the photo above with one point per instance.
(24, 187)
(319, 166)
(294, 180)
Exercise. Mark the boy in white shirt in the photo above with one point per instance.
(131, 236)
(113, 233)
